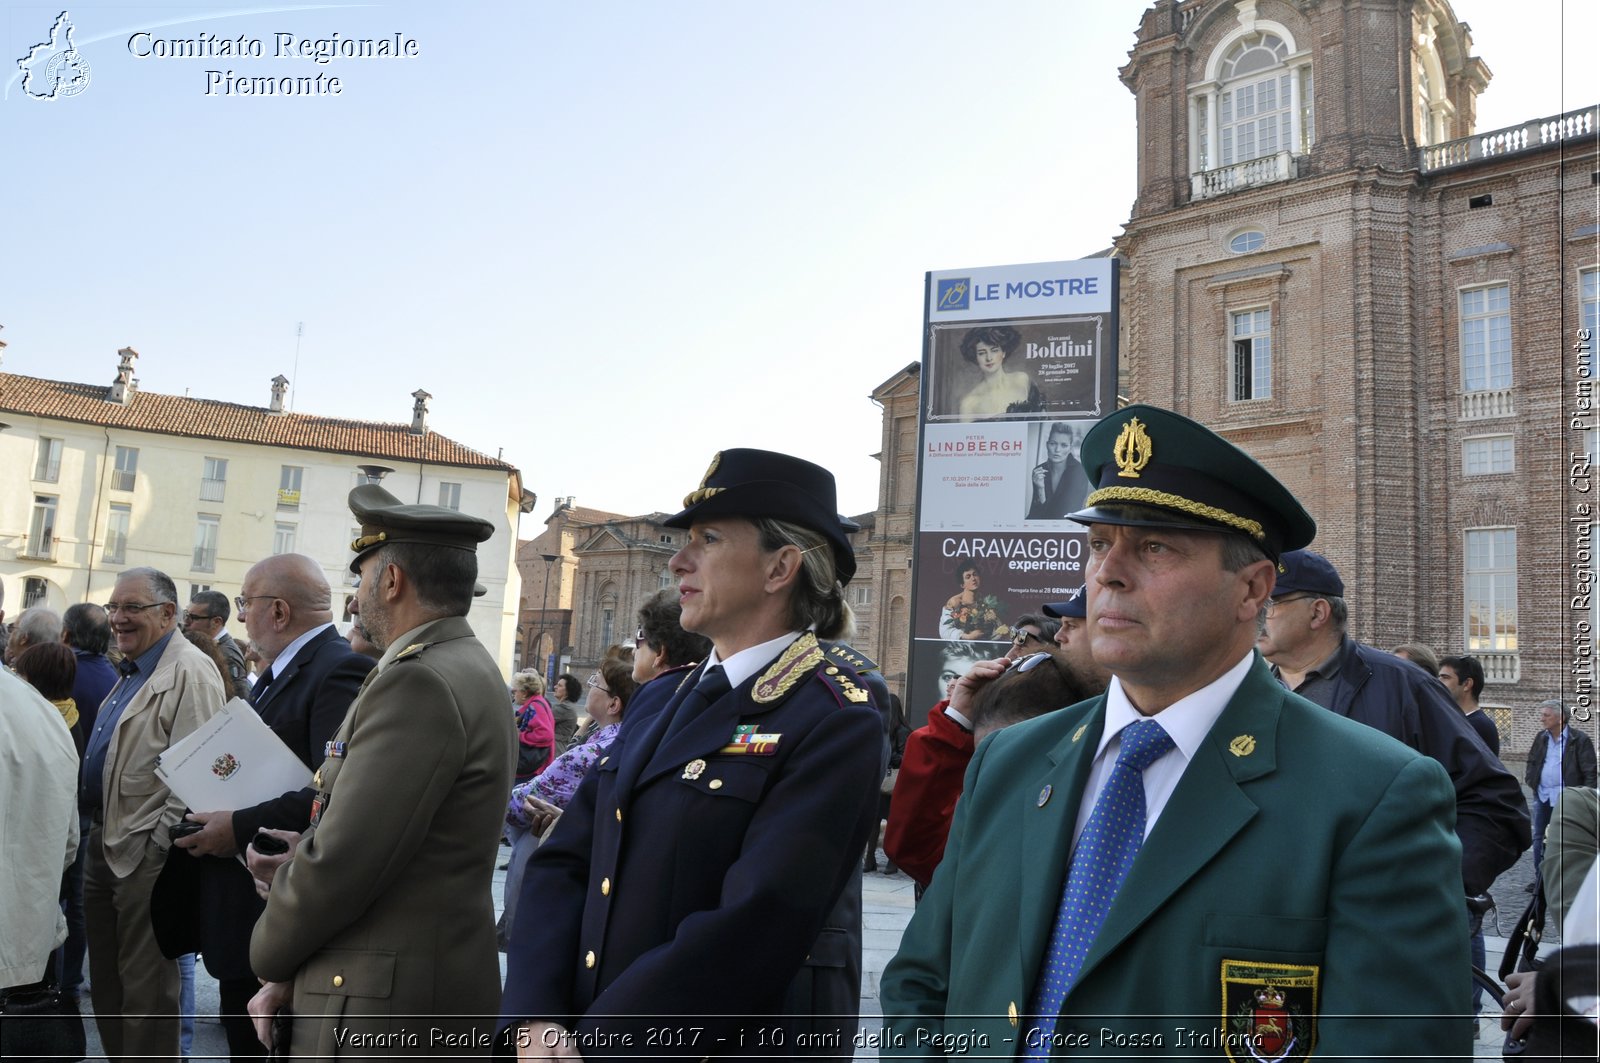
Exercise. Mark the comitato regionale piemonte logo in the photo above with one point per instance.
(54, 69)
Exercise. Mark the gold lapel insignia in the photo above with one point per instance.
(1132, 449)
(415, 647)
(1242, 746)
(793, 665)
(316, 780)
(1079, 732)
(694, 769)
(1044, 795)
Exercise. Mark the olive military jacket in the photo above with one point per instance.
(384, 919)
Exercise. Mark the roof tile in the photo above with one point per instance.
(234, 423)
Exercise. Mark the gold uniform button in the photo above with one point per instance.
(338, 980)
(605, 887)
(715, 784)
(588, 960)
(1011, 1013)
(619, 815)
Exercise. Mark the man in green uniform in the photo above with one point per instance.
(383, 920)
(1198, 863)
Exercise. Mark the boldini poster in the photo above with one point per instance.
(1019, 362)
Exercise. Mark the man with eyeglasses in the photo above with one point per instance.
(167, 689)
(303, 696)
(1304, 638)
(1030, 634)
(208, 615)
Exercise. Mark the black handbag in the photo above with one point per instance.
(38, 1022)
(530, 759)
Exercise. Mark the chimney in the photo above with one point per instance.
(280, 386)
(419, 412)
(124, 387)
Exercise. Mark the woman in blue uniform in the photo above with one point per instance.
(691, 876)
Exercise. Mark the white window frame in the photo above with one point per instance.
(1206, 97)
(42, 527)
(207, 532)
(1490, 449)
(449, 495)
(1252, 239)
(35, 591)
(126, 472)
(291, 481)
(119, 521)
(47, 468)
(1491, 587)
(1260, 353)
(284, 536)
(1495, 371)
(213, 479)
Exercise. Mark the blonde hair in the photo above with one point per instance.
(528, 683)
(818, 600)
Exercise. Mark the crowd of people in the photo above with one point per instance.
(1185, 793)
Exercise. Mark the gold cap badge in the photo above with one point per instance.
(701, 493)
(1242, 746)
(1132, 449)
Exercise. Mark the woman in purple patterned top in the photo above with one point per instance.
(609, 691)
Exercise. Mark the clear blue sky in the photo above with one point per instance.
(609, 237)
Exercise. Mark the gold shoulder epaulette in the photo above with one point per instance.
(797, 662)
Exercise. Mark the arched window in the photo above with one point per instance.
(1254, 104)
(1432, 114)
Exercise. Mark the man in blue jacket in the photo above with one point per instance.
(1311, 653)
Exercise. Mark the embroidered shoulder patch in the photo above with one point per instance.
(838, 652)
(1269, 1011)
(796, 662)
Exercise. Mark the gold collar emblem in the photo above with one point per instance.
(1242, 746)
(1132, 449)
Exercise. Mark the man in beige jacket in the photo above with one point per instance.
(166, 690)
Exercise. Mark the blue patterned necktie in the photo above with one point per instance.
(1105, 852)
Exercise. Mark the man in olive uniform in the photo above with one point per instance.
(1199, 863)
(383, 919)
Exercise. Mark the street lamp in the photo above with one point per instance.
(544, 621)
